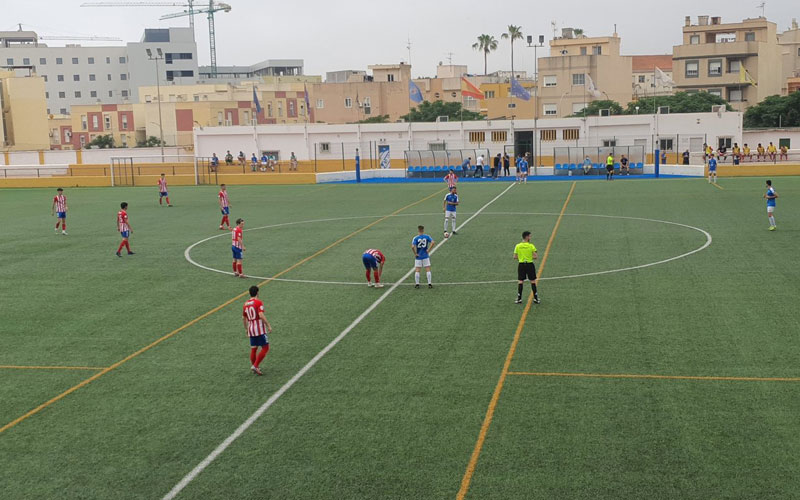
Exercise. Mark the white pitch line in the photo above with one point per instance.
(188, 478)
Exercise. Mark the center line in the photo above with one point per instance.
(297, 376)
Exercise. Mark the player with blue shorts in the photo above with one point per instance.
(422, 244)
(373, 260)
(771, 196)
(712, 169)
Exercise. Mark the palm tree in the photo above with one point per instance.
(485, 43)
(513, 33)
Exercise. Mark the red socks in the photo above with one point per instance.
(225, 221)
(168, 203)
(121, 246)
(377, 276)
(367, 274)
(253, 355)
(159, 200)
(235, 267)
(240, 268)
(260, 358)
(63, 224)
(127, 245)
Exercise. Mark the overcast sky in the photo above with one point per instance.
(351, 34)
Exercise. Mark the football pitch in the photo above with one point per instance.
(661, 363)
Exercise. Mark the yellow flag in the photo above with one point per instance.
(744, 76)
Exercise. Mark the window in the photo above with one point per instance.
(348, 102)
(171, 75)
(390, 77)
(290, 109)
(91, 60)
(95, 122)
(83, 140)
(122, 60)
(785, 142)
(547, 135)
(550, 110)
(583, 51)
(735, 95)
(62, 95)
(110, 93)
(694, 40)
(577, 107)
(219, 118)
(124, 93)
(512, 105)
(247, 117)
(715, 67)
(325, 147)
(367, 105)
(76, 78)
(93, 93)
(47, 95)
(641, 78)
(750, 36)
(45, 78)
(609, 143)
(109, 77)
(59, 60)
(477, 137)
(63, 111)
(123, 76)
(597, 50)
(320, 103)
(108, 60)
(489, 94)
(437, 146)
(92, 78)
(499, 136)
(124, 122)
(578, 79)
(269, 110)
(724, 142)
(172, 56)
(280, 108)
(74, 60)
(107, 122)
(124, 138)
(734, 65)
(715, 92)
(665, 144)
(26, 61)
(42, 60)
(78, 94)
(571, 134)
(60, 78)
(550, 81)
(692, 69)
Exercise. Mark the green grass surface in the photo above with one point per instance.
(395, 409)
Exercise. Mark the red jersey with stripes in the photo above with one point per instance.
(223, 199)
(122, 221)
(61, 203)
(236, 237)
(451, 180)
(162, 185)
(255, 325)
(377, 254)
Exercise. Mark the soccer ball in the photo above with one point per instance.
(446, 234)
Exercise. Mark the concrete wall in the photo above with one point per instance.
(23, 109)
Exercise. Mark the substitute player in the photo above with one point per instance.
(162, 190)
(771, 196)
(422, 244)
(373, 260)
(59, 209)
(225, 207)
(449, 205)
(124, 228)
(712, 170)
(237, 246)
(257, 328)
(525, 254)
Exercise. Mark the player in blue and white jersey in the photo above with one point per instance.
(450, 204)
(421, 245)
(771, 196)
(522, 169)
(712, 169)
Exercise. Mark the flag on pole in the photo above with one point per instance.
(255, 100)
(519, 91)
(591, 89)
(663, 78)
(468, 89)
(745, 77)
(414, 93)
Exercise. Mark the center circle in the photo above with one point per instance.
(188, 257)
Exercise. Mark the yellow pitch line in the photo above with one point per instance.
(487, 420)
(19, 367)
(717, 186)
(658, 377)
(200, 318)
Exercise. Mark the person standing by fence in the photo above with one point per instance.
(506, 165)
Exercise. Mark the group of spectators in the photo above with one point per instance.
(744, 153)
(501, 165)
(266, 162)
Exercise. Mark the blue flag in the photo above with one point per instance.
(519, 91)
(255, 100)
(414, 93)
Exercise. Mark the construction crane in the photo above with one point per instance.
(189, 4)
(212, 8)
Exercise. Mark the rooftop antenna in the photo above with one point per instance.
(450, 58)
(408, 47)
(763, 7)
(555, 29)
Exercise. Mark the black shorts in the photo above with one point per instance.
(609, 168)
(526, 270)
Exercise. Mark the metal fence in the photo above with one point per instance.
(446, 158)
(578, 154)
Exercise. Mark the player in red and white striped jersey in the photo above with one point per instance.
(124, 228)
(237, 246)
(162, 190)
(373, 260)
(224, 207)
(257, 328)
(59, 209)
(451, 179)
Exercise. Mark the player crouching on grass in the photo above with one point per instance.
(373, 260)
(257, 328)
(237, 246)
(525, 254)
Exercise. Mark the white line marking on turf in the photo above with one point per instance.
(462, 283)
(297, 376)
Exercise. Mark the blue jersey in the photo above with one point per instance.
(523, 166)
(264, 159)
(451, 199)
(770, 201)
(712, 164)
(422, 243)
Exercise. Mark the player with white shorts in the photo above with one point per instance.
(450, 205)
(421, 245)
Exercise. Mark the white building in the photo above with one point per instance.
(75, 74)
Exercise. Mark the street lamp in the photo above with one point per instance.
(156, 57)
(535, 97)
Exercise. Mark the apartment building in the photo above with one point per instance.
(269, 67)
(714, 55)
(789, 42)
(77, 75)
(23, 122)
(647, 82)
(575, 64)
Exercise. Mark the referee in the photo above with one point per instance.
(525, 253)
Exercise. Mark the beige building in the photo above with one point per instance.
(789, 42)
(647, 82)
(574, 65)
(23, 109)
(712, 55)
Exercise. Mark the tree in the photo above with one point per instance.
(376, 119)
(428, 111)
(486, 44)
(680, 102)
(774, 111)
(513, 33)
(578, 32)
(150, 142)
(594, 107)
(101, 142)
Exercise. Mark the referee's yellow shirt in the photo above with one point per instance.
(524, 251)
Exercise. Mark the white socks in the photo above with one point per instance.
(771, 223)
(416, 277)
(452, 224)
(428, 274)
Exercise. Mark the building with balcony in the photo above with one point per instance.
(789, 42)
(713, 56)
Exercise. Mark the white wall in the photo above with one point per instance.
(753, 137)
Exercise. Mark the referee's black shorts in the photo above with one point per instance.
(526, 270)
